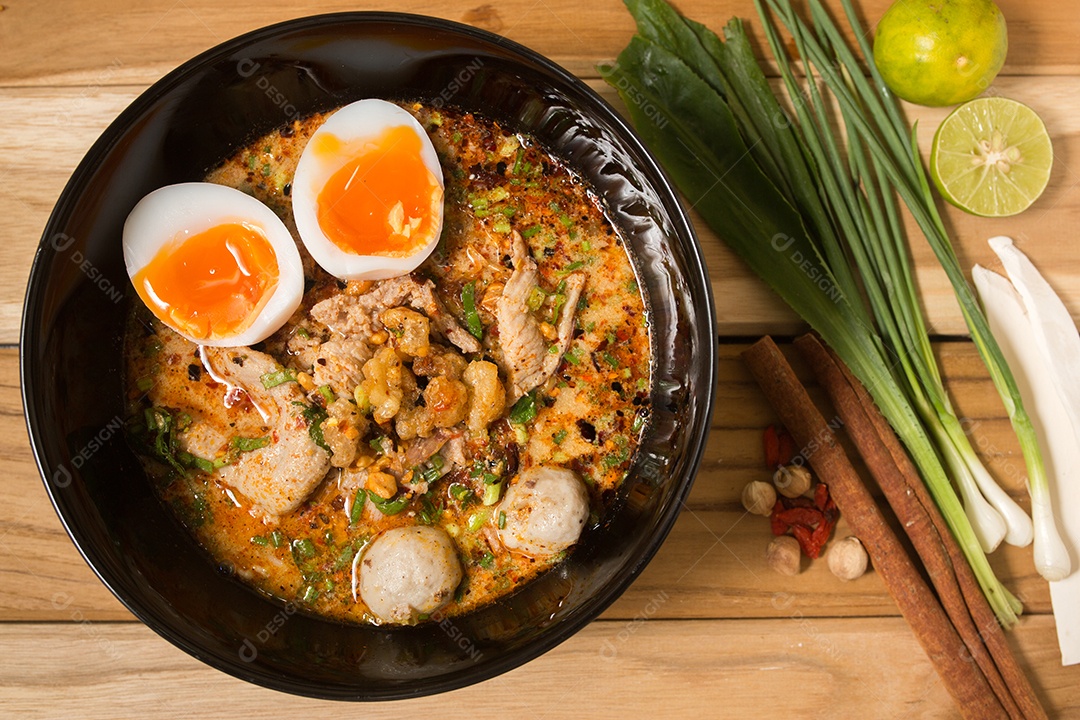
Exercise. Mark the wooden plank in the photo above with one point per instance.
(712, 564)
(64, 122)
(797, 667)
(113, 42)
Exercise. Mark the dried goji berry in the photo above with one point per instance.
(772, 448)
(821, 496)
(805, 537)
(821, 535)
(809, 517)
(779, 527)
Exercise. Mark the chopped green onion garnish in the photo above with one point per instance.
(202, 464)
(278, 377)
(432, 471)
(477, 520)
(303, 333)
(461, 493)
(304, 548)
(379, 445)
(502, 519)
(558, 436)
(429, 513)
(259, 540)
(530, 231)
(244, 444)
(472, 318)
(389, 507)
(502, 226)
(314, 415)
(356, 510)
(327, 393)
(524, 410)
(144, 384)
(536, 298)
(310, 593)
(492, 493)
(277, 539)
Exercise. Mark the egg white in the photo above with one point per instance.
(181, 211)
(354, 124)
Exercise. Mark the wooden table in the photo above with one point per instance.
(707, 630)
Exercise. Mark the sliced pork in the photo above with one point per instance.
(529, 361)
(357, 316)
(278, 477)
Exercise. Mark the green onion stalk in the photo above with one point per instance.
(807, 220)
(872, 115)
(862, 203)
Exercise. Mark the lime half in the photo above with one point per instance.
(992, 157)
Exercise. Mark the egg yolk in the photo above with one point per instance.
(212, 284)
(384, 200)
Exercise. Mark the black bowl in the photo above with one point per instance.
(77, 299)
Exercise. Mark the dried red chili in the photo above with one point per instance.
(810, 521)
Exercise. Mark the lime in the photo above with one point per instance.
(940, 52)
(991, 157)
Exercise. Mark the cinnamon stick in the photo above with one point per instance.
(905, 491)
(917, 603)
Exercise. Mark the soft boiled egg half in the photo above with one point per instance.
(214, 264)
(368, 193)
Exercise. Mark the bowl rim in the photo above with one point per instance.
(697, 273)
